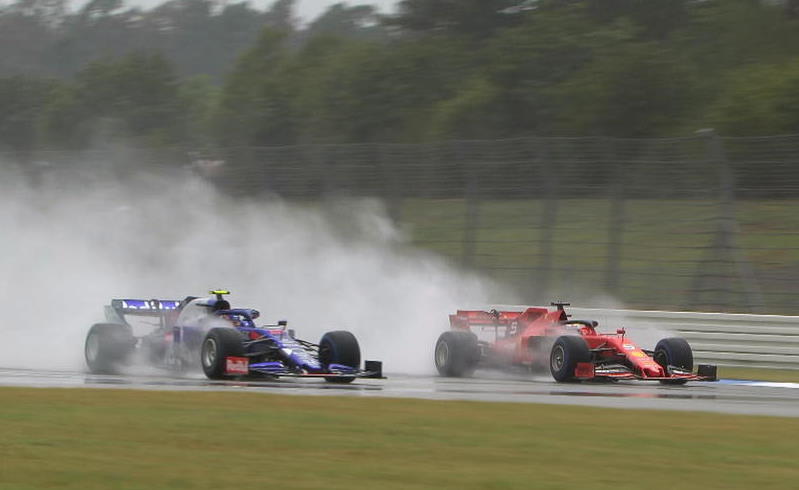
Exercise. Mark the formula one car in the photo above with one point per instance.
(225, 342)
(573, 350)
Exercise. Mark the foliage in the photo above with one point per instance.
(340, 20)
(199, 72)
(200, 37)
(638, 90)
(22, 102)
(471, 18)
(136, 98)
(251, 106)
(759, 100)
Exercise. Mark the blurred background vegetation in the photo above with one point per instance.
(205, 73)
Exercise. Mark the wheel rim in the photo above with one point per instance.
(209, 353)
(558, 357)
(442, 354)
(661, 358)
(324, 354)
(92, 347)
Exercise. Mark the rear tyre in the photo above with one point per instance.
(339, 347)
(674, 351)
(457, 353)
(108, 347)
(567, 351)
(217, 346)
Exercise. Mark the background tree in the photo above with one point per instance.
(135, 97)
(472, 18)
(759, 100)
(26, 33)
(655, 19)
(359, 22)
(233, 75)
(253, 109)
(22, 102)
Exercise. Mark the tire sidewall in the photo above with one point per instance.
(462, 353)
(339, 347)
(111, 347)
(677, 352)
(573, 350)
(225, 342)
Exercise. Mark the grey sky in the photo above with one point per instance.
(306, 9)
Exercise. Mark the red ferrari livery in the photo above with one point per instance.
(573, 350)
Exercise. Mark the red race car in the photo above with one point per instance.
(573, 350)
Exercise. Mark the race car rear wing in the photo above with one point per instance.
(119, 308)
(464, 319)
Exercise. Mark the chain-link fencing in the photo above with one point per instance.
(700, 223)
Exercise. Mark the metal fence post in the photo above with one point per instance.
(472, 205)
(549, 216)
(390, 174)
(616, 220)
(326, 168)
(724, 249)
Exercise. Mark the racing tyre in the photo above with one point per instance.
(339, 347)
(108, 347)
(457, 353)
(217, 346)
(566, 352)
(674, 351)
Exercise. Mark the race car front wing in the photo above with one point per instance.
(240, 366)
(587, 370)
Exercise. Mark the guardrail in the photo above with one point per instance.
(726, 339)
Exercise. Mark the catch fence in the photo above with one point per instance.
(703, 223)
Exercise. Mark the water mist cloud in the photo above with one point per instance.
(74, 241)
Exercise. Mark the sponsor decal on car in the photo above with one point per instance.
(153, 304)
(237, 365)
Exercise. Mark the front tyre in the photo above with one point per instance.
(108, 347)
(339, 347)
(457, 353)
(217, 346)
(567, 351)
(674, 351)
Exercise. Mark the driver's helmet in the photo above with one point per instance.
(221, 305)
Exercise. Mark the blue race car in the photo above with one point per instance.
(226, 341)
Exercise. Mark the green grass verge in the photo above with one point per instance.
(122, 439)
(780, 375)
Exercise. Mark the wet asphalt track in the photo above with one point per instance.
(726, 396)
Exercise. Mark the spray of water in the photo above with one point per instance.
(73, 241)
